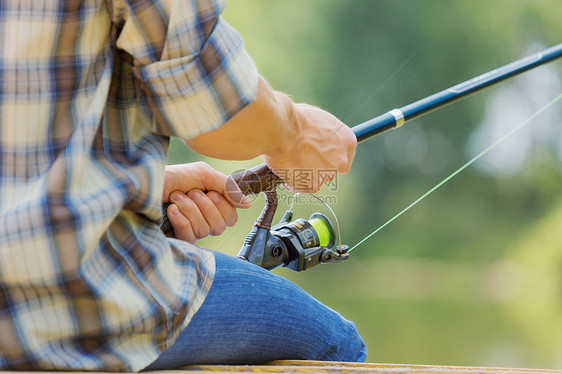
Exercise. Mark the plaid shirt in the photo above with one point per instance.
(90, 92)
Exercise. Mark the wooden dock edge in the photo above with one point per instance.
(330, 367)
(346, 367)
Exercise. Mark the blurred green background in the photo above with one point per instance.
(472, 275)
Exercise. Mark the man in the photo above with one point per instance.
(90, 93)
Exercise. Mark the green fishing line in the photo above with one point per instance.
(474, 159)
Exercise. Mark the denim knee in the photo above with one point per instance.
(348, 347)
(358, 345)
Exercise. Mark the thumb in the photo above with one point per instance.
(226, 186)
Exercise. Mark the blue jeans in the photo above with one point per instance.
(252, 316)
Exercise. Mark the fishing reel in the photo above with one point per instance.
(296, 244)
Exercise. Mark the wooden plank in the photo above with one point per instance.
(300, 367)
(345, 367)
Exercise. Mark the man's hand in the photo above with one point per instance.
(316, 141)
(291, 137)
(200, 205)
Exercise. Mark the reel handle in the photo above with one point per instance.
(258, 179)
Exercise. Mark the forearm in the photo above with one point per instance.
(289, 136)
(262, 127)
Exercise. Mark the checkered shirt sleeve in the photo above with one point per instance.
(181, 65)
(90, 92)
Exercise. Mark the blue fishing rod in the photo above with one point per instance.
(300, 244)
(397, 117)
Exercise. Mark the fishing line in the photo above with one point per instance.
(360, 265)
(371, 276)
(474, 159)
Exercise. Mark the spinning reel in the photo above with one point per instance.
(297, 245)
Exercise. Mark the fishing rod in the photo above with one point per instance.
(397, 117)
(300, 244)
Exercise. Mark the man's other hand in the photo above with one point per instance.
(200, 202)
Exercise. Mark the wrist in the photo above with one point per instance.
(287, 130)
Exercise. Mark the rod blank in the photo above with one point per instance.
(389, 120)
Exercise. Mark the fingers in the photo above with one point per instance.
(350, 141)
(199, 175)
(181, 225)
(185, 177)
(227, 211)
(192, 220)
(196, 215)
(210, 219)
